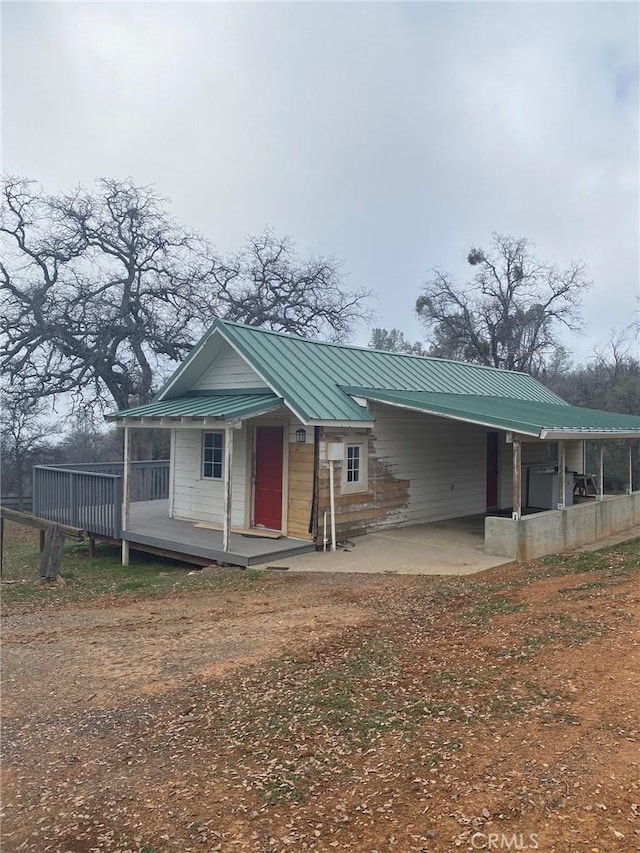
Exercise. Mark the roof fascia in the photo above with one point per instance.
(341, 424)
(585, 433)
(254, 412)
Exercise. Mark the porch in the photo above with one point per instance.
(151, 529)
(90, 497)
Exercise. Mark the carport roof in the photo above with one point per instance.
(527, 417)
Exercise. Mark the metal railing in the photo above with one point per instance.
(89, 495)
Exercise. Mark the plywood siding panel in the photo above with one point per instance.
(228, 371)
(197, 499)
(300, 485)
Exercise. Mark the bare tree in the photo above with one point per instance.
(98, 289)
(268, 285)
(25, 440)
(509, 315)
(103, 291)
(610, 381)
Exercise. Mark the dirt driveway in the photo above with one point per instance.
(95, 656)
(321, 712)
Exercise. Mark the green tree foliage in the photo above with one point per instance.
(394, 340)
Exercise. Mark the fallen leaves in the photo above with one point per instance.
(409, 732)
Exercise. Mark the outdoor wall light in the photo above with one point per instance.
(301, 436)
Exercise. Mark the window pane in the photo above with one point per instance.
(353, 463)
(212, 449)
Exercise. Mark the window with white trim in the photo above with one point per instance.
(353, 464)
(354, 467)
(212, 455)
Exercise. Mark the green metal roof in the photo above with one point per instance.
(317, 381)
(231, 406)
(540, 419)
(308, 375)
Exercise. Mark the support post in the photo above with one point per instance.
(332, 504)
(630, 466)
(562, 480)
(52, 554)
(126, 493)
(517, 476)
(172, 470)
(228, 476)
(601, 474)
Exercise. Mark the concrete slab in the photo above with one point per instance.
(444, 548)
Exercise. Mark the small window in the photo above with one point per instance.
(212, 449)
(354, 468)
(353, 463)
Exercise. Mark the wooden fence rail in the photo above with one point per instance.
(52, 537)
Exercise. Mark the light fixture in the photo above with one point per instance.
(301, 436)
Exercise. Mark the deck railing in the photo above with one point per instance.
(89, 495)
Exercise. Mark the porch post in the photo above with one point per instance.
(172, 470)
(601, 473)
(517, 473)
(561, 475)
(126, 493)
(228, 476)
(630, 466)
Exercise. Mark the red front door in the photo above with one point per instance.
(492, 470)
(267, 501)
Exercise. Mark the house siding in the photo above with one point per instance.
(381, 505)
(228, 371)
(444, 460)
(421, 469)
(198, 499)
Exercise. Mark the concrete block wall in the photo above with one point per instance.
(561, 530)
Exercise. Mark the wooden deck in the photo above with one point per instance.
(151, 528)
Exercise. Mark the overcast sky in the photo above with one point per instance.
(393, 135)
